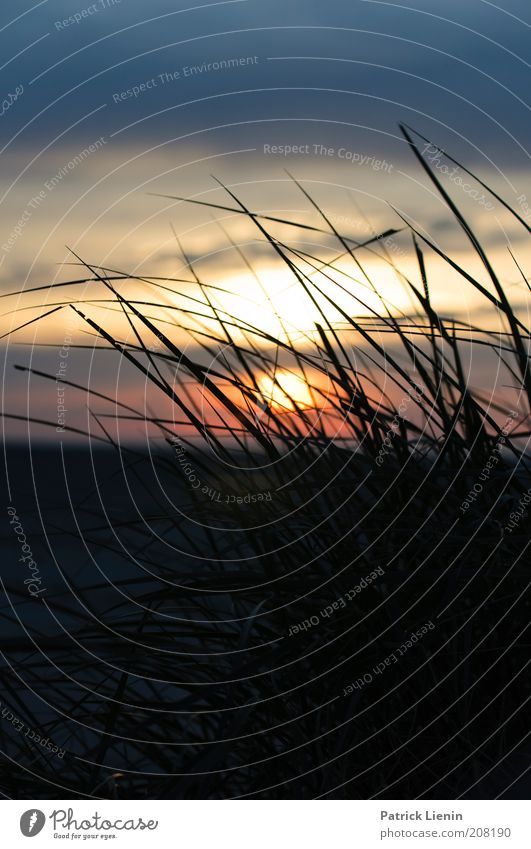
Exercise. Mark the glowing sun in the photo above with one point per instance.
(286, 392)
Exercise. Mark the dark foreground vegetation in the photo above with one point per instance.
(305, 603)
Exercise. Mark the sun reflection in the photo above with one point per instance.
(286, 392)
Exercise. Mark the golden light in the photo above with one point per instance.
(286, 392)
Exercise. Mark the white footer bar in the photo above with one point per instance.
(253, 824)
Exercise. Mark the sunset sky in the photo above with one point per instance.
(108, 104)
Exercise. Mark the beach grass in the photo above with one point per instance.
(326, 597)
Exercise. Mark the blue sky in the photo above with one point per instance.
(462, 78)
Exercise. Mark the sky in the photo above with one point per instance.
(458, 68)
(108, 104)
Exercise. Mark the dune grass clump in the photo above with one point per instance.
(325, 595)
